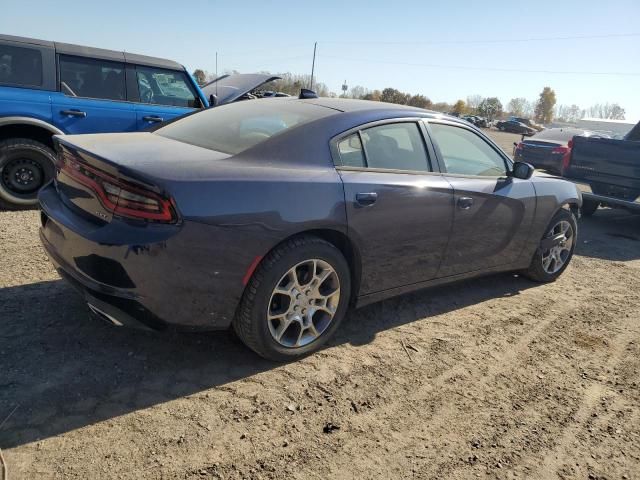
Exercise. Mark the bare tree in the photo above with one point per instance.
(609, 111)
(516, 106)
(473, 102)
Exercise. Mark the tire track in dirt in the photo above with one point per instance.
(557, 457)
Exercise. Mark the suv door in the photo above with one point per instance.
(92, 96)
(493, 211)
(161, 94)
(399, 210)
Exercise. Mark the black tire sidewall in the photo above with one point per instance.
(323, 251)
(25, 148)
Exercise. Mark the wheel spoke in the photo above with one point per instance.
(310, 308)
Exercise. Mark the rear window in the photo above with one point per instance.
(236, 127)
(20, 66)
(558, 134)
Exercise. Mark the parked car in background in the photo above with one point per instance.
(278, 231)
(528, 122)
(49, 88)
(237, 86)
(514, 127)
(546, 149)
(476, 120)
(606, 170)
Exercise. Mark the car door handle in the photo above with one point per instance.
(465, 203)
(152, 118)
(366, 199)
(73, 113)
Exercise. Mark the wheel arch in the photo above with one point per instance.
(336, 238)
(26, 127)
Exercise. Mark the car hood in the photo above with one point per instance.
(229, 88)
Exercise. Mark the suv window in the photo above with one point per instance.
(464, 152)
(165, 87)
(20, 66)
(87, 77)
(396, 146)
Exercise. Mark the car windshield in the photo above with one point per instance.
(236, 127)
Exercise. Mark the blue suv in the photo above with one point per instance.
(49, 88)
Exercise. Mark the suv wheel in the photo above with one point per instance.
(25, 166)
(556, 248)
(295, 300)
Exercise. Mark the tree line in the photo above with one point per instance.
(544, 109)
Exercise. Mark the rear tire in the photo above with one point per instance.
(547, 265)
(25, 167)
(589, 207)
(295, 300)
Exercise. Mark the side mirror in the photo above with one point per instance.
(522, 170)
(213, 100)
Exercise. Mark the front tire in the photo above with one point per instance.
(295, 300)
(549, 263)
(25, 167)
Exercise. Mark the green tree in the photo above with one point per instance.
(459, 107)
(391, 95)
(490, 108)
(517, 106)
(545, 106)
(200, 76)
(420, 101)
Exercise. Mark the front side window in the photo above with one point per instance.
(90, 78)
(396, 146)
(20, 66)
(165, 87)
(466, 153)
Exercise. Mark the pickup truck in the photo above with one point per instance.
(607, 171)
(51, 88)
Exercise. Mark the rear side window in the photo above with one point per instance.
(350, 151)
(20, 66)
(397, 146)
(235, 127)
(165, 87)
(86, 77)
(465, 153)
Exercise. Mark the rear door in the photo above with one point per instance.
(493, 211)
(399, 210)
(92, 96)
(160, 94)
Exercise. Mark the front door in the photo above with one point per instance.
(92, 97)
(399, 211)
(493, 211)
(162, 95)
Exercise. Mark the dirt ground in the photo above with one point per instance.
(493, 378)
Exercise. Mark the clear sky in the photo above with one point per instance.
(443, 49)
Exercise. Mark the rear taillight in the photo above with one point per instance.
(566, 156)
(519, 147)
(117, 196)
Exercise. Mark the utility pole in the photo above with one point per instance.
(313, 64)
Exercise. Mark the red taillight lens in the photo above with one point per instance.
(561, 150)
(566, 158)
(519, 147)
(118, 196)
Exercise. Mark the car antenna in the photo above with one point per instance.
(306, 93)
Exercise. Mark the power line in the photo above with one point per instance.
(469, 42)
(490, 69)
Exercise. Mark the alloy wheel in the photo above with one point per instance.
(555, 257)
(303, 303)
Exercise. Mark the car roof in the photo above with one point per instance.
(348, 105)
(92, 52)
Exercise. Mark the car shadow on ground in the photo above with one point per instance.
(64, 370)
(610, 234)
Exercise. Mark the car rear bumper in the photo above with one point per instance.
(155, 277)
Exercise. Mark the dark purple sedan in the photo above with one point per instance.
(275, 216)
